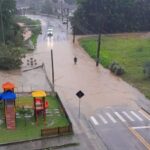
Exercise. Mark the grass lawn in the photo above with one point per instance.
(26, 128)
(130, 51)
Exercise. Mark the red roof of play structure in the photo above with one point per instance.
(8, 85)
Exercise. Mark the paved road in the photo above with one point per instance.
(122, 124)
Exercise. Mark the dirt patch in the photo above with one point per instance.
(26, 31)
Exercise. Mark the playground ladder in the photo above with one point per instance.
(10, 117)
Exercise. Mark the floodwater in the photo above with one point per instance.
(101, 88)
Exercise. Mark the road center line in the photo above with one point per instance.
(119, 116)
(111, 118)
(102, 118)
(94, 121)
(134, 114)
(129, 117)
(140, 138)
(141, 127)
(143, 114)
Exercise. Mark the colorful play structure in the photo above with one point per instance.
(40, 104)
(8, 98)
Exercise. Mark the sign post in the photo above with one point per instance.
(79, 94)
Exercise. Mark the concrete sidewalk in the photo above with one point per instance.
(43, 144)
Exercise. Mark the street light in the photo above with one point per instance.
(50, 45)
(53, 80)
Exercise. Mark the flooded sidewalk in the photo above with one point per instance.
(26, 81)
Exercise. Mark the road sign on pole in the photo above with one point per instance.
(79, 94)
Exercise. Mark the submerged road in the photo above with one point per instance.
(109, 116)
(104, 92)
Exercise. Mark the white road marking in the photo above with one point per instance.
(119, 116)
(141, 127)
(129, 117)
(138, 117)
(94, 121)
(102, 118)
(143, 114)
(111, 118)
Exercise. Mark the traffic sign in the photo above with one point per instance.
(80, 94)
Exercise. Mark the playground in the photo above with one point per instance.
(23, 117)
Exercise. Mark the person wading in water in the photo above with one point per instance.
(75, 60)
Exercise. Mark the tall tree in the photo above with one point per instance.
(7, 11)
(112, 16)
(47, 7)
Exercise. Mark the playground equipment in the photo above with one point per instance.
(9, 97)
(40, 105)
(8, 86)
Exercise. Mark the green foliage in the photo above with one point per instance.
(109, 16)
(116, 68)
(47, 7)
(7, 11)
(10, 57)
(70, 1)
(24, 111)
(147, 69)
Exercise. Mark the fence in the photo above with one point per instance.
(56, 131)
(60, 130)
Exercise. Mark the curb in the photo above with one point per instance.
(33, 140)
(61, 146)
(145, 110)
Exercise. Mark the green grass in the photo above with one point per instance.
(27, 129)
(131, 52)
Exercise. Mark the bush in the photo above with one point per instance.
(116, 68)
(147, 69)
(10, 57)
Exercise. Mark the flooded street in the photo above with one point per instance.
(109, 114)
(101, 88)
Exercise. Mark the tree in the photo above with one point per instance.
(47, 7)
(7, 11)
(70, 1)
(10, 57)
(111, 16)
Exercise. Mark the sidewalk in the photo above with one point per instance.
(42, 144)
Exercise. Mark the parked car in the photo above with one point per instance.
(65, 22)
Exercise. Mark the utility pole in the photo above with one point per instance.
(67, 17)
(98, 49)
(100, 22)
(53, 80)
(61, 11)
(73, 34)
(2, 24)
